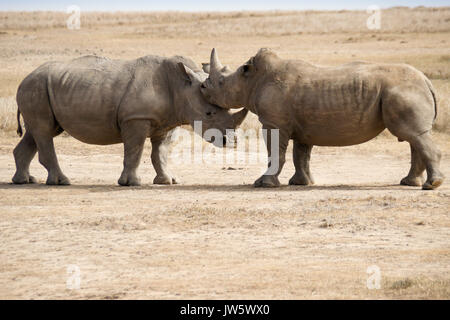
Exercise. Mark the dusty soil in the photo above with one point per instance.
(215, 236)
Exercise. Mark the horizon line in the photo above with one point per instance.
(225, 11)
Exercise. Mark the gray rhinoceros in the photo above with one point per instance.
(101, 101)
(331, 106)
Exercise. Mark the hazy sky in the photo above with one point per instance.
(197, 5)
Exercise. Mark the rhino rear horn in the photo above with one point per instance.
(215, 65)
(206, 67)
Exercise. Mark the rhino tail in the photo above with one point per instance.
(19, 126)
(433, 93)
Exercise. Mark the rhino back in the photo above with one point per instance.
(85, 93)
(330, 104)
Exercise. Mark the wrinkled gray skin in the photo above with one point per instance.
(102, 101)
(331, 106)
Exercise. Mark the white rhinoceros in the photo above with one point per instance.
(331, 106)
(102, 101)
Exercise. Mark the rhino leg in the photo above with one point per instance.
(42, 127)
(415, 175)
(134, 133)
(431, 157)
(302, 155)
(24, 152)
(47, 157)
(408, 113)
(276, 148)
(160, 149)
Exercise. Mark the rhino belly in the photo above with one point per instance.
(331, 134)
(90, 129)
(339, 112)
(340, 126)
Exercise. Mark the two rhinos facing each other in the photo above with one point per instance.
(102, 101)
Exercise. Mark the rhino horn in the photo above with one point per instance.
(239, 117)
(215, 65)
(205, 67)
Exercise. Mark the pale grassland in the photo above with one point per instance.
(8, 110)
(247, 23)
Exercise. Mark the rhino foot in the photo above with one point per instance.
(433, 183)
(60, 180)
(267, 181)
(165, 179)
(300, 180)
(412, 181)
(129, 180)
(23, 179)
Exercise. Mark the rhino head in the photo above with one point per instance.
(212, 117)
(229, 89)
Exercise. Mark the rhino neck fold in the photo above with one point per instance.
(250, 98)
(179, 113)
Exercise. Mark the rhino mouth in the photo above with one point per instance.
(217, 143)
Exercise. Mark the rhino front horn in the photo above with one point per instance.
(215, 65)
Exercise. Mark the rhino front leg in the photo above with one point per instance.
(133, 133)
(302, 155)
(160, 151)
(276, 143)
(415, 175)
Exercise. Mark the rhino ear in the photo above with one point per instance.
(187, 73)
(247, 69)
(206, 67)
(225, 69)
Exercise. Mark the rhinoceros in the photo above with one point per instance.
(101, 101)
(331, 106)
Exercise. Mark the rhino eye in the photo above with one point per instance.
(203, 86)
(208, 113)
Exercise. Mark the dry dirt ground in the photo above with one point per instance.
(214, 236)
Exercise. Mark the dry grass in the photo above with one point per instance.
(8, 111)
(269, 23)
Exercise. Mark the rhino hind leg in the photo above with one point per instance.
(133, 133)
(431, 157)
(301, 157)
(415, 175)
(24, 152)
(47, 157)
(408, 113)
